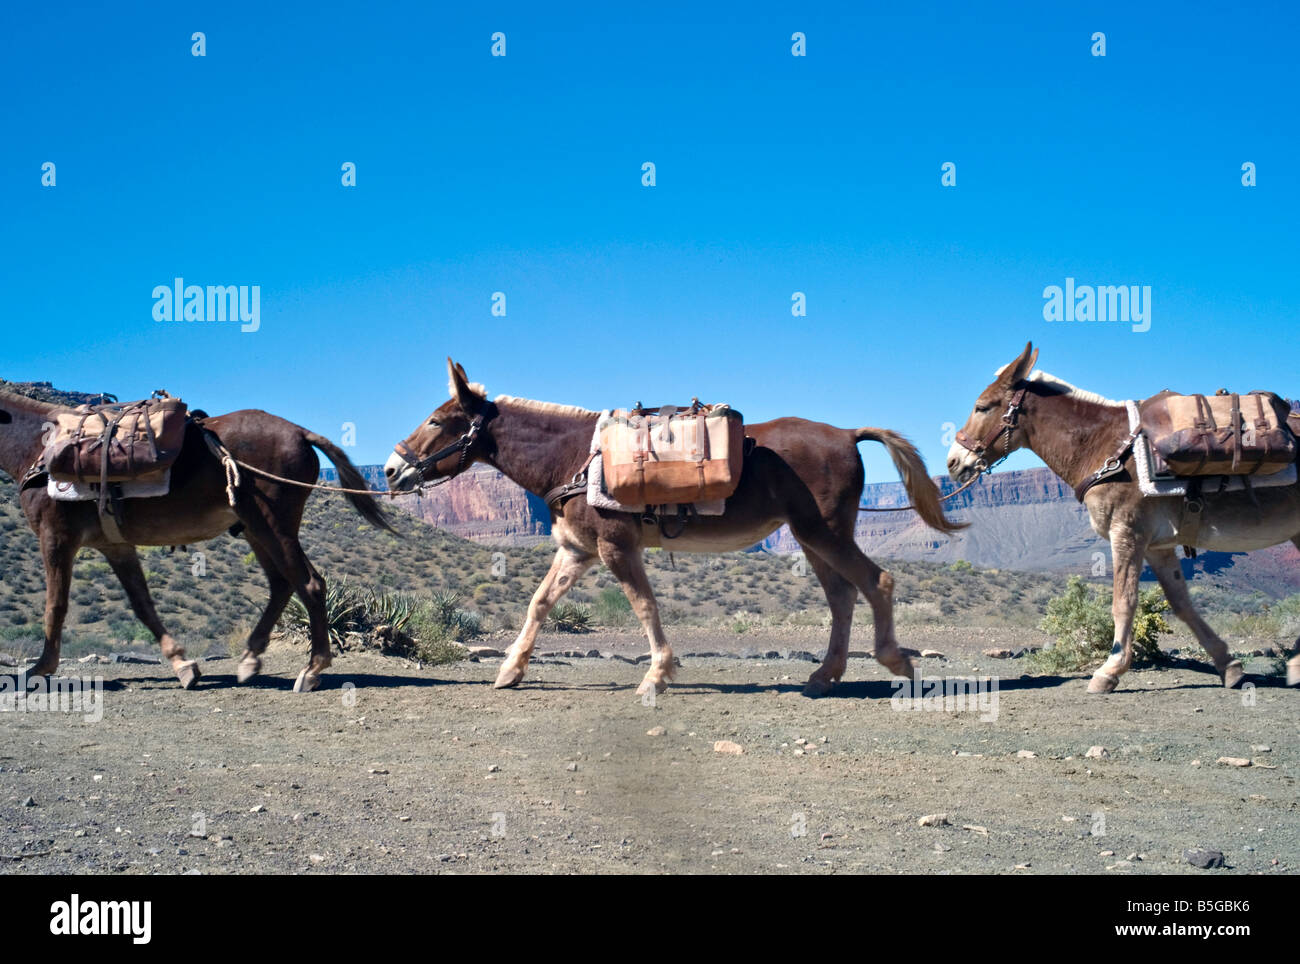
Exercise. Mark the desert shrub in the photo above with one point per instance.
(612, 607)
(438, 622)
(1278, 620)
(742, 622)
(1080, 619)
(128, 630)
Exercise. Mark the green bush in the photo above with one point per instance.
(1080, 619)
(439, 622)
(612, 607)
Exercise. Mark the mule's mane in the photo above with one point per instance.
(545, 408)
(1059, 386)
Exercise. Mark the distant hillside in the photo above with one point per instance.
(45, 392)
(480, 504)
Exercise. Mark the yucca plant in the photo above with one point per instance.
(343, 604)
(393, 609)
(571, 618)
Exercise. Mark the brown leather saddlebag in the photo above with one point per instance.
(1222, 434)
(117, 442)
(672, 455)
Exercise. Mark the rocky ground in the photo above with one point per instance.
(394, 767)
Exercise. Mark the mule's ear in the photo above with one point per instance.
(461, 390)
(1019, 369)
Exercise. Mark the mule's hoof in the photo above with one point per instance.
(306, 682)
(1233, 675)
(1293, 673)
(509, 677)
(188, 673)
(248, 667)
(906, 668)
(650, 684)
(816, 687)
(43, 669)
(1102, 683)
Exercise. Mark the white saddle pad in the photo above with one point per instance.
(76, 492)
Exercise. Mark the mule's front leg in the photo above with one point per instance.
(126, 566)
(1127, 549)
(57, 552)
(568, 565)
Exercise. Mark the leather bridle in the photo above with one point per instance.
(1002, 430)
(461, 445)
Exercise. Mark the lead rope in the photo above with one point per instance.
(232, 466)
(912, 508)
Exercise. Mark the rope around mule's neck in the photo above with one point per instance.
(912, 508)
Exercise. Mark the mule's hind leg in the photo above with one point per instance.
(841, 596)
(57, 552)
(876, 584)
(250, 664)
(126, 566)
(625, 563)
(1169, 571)
(569, 564)
(285, 554)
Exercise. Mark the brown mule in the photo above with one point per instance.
(1077, 434)
(195, 509)
(803, 473)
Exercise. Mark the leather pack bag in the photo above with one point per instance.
(117, 442)
(1221, 434)
(672, 455)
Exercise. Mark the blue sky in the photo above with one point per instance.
(522, 174)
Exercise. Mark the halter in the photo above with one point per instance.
(1003, 430)
(461, 445)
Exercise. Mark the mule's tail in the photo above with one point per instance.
(916, 479)
(351, 478)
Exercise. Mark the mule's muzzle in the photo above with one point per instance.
(400, 476)
(964, 464)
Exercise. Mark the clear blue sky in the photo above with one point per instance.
(522, 174)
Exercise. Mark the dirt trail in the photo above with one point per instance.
(394, 768)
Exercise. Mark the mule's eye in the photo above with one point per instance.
(982, 409)
(433, 423)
